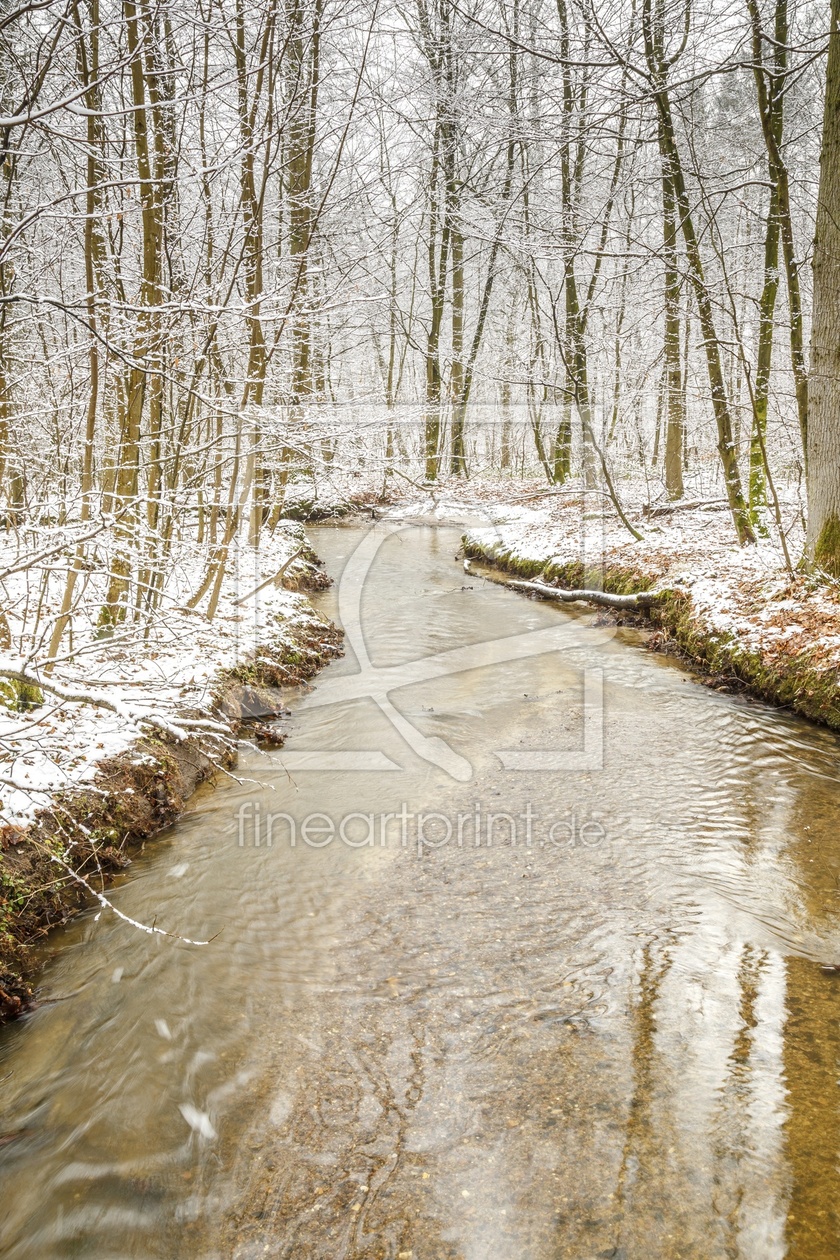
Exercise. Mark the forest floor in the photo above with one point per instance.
(106, 751)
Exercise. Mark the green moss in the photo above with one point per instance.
(20, 696)
(13, 891)
(827, 549)
(573, 575)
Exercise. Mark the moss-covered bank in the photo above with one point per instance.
(89, 831)
(803, 678)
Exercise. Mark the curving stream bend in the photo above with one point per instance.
(599, 1031)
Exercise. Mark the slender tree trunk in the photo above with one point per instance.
(88, 66)
(711, 343)
(437, 258)
(674, 416)
(770, 87)
(303, 77)
(504, 408)
(458, 463)
(562, 454)
(146, 346)
(766, 328)
(462, 396)
(250, 92)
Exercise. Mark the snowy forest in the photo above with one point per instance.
(419, 629)
(246, 247)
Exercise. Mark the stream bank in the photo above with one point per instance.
(733, 612)
(55, 861)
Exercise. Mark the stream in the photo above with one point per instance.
(513, 954)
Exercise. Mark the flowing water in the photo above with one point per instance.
(578, 1012)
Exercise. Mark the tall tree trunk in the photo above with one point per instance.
(674, 415)
(437, 260)
(250, 92)
(823, 541)
(466, 375)
(658, 68)
(457, 463)
(303, 78)
(147, 336)
(770, 88)
(88, 67)
(766, 328)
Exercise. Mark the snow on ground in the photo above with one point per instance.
(747, 593)
(161, 668)
(170, 663)
(744, 592)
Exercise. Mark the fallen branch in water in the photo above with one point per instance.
(151, 929)
(603, 599)
(644, 599)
